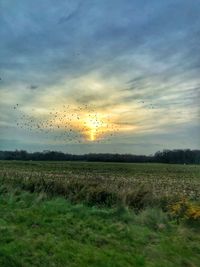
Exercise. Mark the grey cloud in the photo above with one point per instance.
(151, 48)
(33, 87)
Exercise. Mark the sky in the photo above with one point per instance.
(99, 76)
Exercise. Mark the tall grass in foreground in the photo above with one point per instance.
(99, 215)
(135, 186)
(39, 230)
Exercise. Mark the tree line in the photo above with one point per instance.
(182, 156)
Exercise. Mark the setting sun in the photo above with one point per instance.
(94, 126)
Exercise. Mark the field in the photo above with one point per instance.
(106, 183)
(99, 214)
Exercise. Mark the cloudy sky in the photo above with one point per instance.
(128, 70)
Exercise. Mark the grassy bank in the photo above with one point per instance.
(38, 231)
(94, 214)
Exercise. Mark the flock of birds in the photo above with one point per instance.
(75, 125)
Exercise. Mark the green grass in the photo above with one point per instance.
(96, 214)
(38, 231)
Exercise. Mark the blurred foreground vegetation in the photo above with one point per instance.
(96, 214)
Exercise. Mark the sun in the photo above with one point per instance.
(94, 127)
(92, 135)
